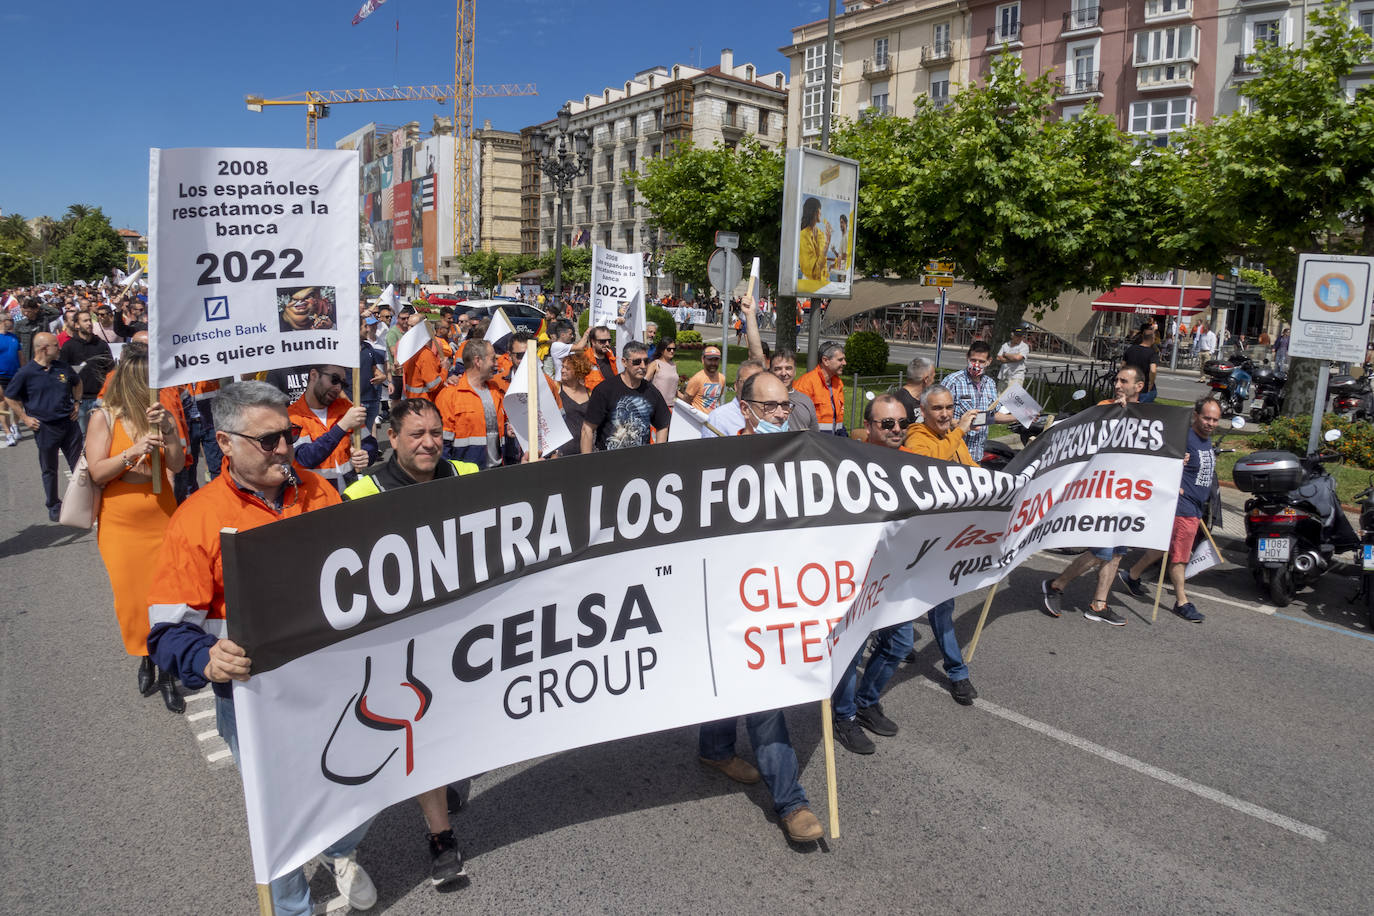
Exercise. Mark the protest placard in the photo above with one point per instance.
(616, 278)
(553, 431)
(254, 256)
(1018, 402)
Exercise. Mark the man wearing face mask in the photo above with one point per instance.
(730, 418)
(765, 411)
(974, 390)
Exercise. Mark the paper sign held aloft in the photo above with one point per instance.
(412, 342)
(1018, 402)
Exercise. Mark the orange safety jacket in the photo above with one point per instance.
(465, 421)
(423, 375)
(827, 395)
(337, 463)
(949, 447)
(186, 598)
(595, 377)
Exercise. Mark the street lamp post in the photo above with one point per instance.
(563, 163)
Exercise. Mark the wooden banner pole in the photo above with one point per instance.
(265, 907)
(155, 457)
(358, 399)
(532, 400)
(982, 618)
(1159, 586)
(1207, 531)
(832, 794)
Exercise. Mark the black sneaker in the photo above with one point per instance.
(445, 861)
(1051, 598)
(848, 733)
(963, 692)
(872, 718)
(1132, 585)
(1187, 612)
(1104, 614)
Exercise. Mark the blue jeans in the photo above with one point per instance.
(1149, 396)
(84, 408)
(290, 892)
(772, 747)
(941, 619)
(890, 648)
(1105, 554)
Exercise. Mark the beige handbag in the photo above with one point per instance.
(81, 502)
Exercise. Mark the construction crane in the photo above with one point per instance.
(317, 103)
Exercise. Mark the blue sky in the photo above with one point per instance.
(94, 85)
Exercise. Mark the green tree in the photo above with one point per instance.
(15, 267)
(577, 267)
(1295, 172)
(695, 192)
(1027, 206)
(14, 226)
(91, 249)
(482, 265)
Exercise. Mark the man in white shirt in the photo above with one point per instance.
(1206, 345)
(1012, 359)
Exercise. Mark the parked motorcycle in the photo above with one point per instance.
(1294, 525)
(1268, 391)
(1230, 384)
(1349, 395)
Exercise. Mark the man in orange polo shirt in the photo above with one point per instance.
(326, 418)
(825, 387)
(186, 601)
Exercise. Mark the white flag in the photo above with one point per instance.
(688, 423)
(1018, 402)
(754, 280)
(632, 324)
(500, 327)
(553, 431)
(133, 278)
(1203, 558)
(388, 297)
(412, 342)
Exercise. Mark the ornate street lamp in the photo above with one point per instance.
(564, 163)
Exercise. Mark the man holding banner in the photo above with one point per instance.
(186, 605)
(1195, 492)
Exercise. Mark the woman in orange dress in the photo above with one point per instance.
(119, 442)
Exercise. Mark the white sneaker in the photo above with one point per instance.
(355, 887)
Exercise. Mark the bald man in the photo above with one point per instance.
(43, 394)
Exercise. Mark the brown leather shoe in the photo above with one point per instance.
(802, 826)
(737, 769)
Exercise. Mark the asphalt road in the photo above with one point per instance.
(1155, 768)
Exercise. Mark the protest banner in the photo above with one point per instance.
(616, 277)
(449, 628)
(1017, 401)
(688, 423)
(255, 261)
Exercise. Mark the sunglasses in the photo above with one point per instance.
(637, 362)
(268, 442)
(335, 379)
(889, 423)
(670, 349)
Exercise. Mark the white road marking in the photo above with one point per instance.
(1146, 769)
(206, 736)
(219, 755)
(197, 716)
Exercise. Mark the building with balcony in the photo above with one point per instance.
(644, 119)
(887, 57)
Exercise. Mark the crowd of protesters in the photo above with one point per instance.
(292, 440)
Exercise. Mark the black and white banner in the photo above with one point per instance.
(429, 633)
(254, 261)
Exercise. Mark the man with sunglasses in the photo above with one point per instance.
(326, 419)
(625, 411)
(186, 601)
(601, 355)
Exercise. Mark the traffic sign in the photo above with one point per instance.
(932, 280)
(1331, 307)
(725, 270)
(940, 267)
(728, 240)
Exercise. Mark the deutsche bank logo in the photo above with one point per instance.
(217, 308)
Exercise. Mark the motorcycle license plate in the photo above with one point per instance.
(1275, 548)
(1369, 557)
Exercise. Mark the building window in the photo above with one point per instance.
(1008, 19)
(940, 41)
(1081, 67)
(880, 52)
(1265, 32)
(878, 96)
(811, 107)
(1073, 112)
(1166, 75)
(1159, 9)
(1162, 46)
(1160, 117)
(763, 122)
(814, 62)
(939, 86)
(1365, 20)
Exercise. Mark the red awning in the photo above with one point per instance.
(1153, 300)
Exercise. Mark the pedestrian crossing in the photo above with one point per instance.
(200, 717)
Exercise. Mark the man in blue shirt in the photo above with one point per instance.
(974, 390)
(43, 394)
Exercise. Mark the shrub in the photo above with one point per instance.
(1289, 434)
(866, 353)
(667, 327)
(689, 340)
